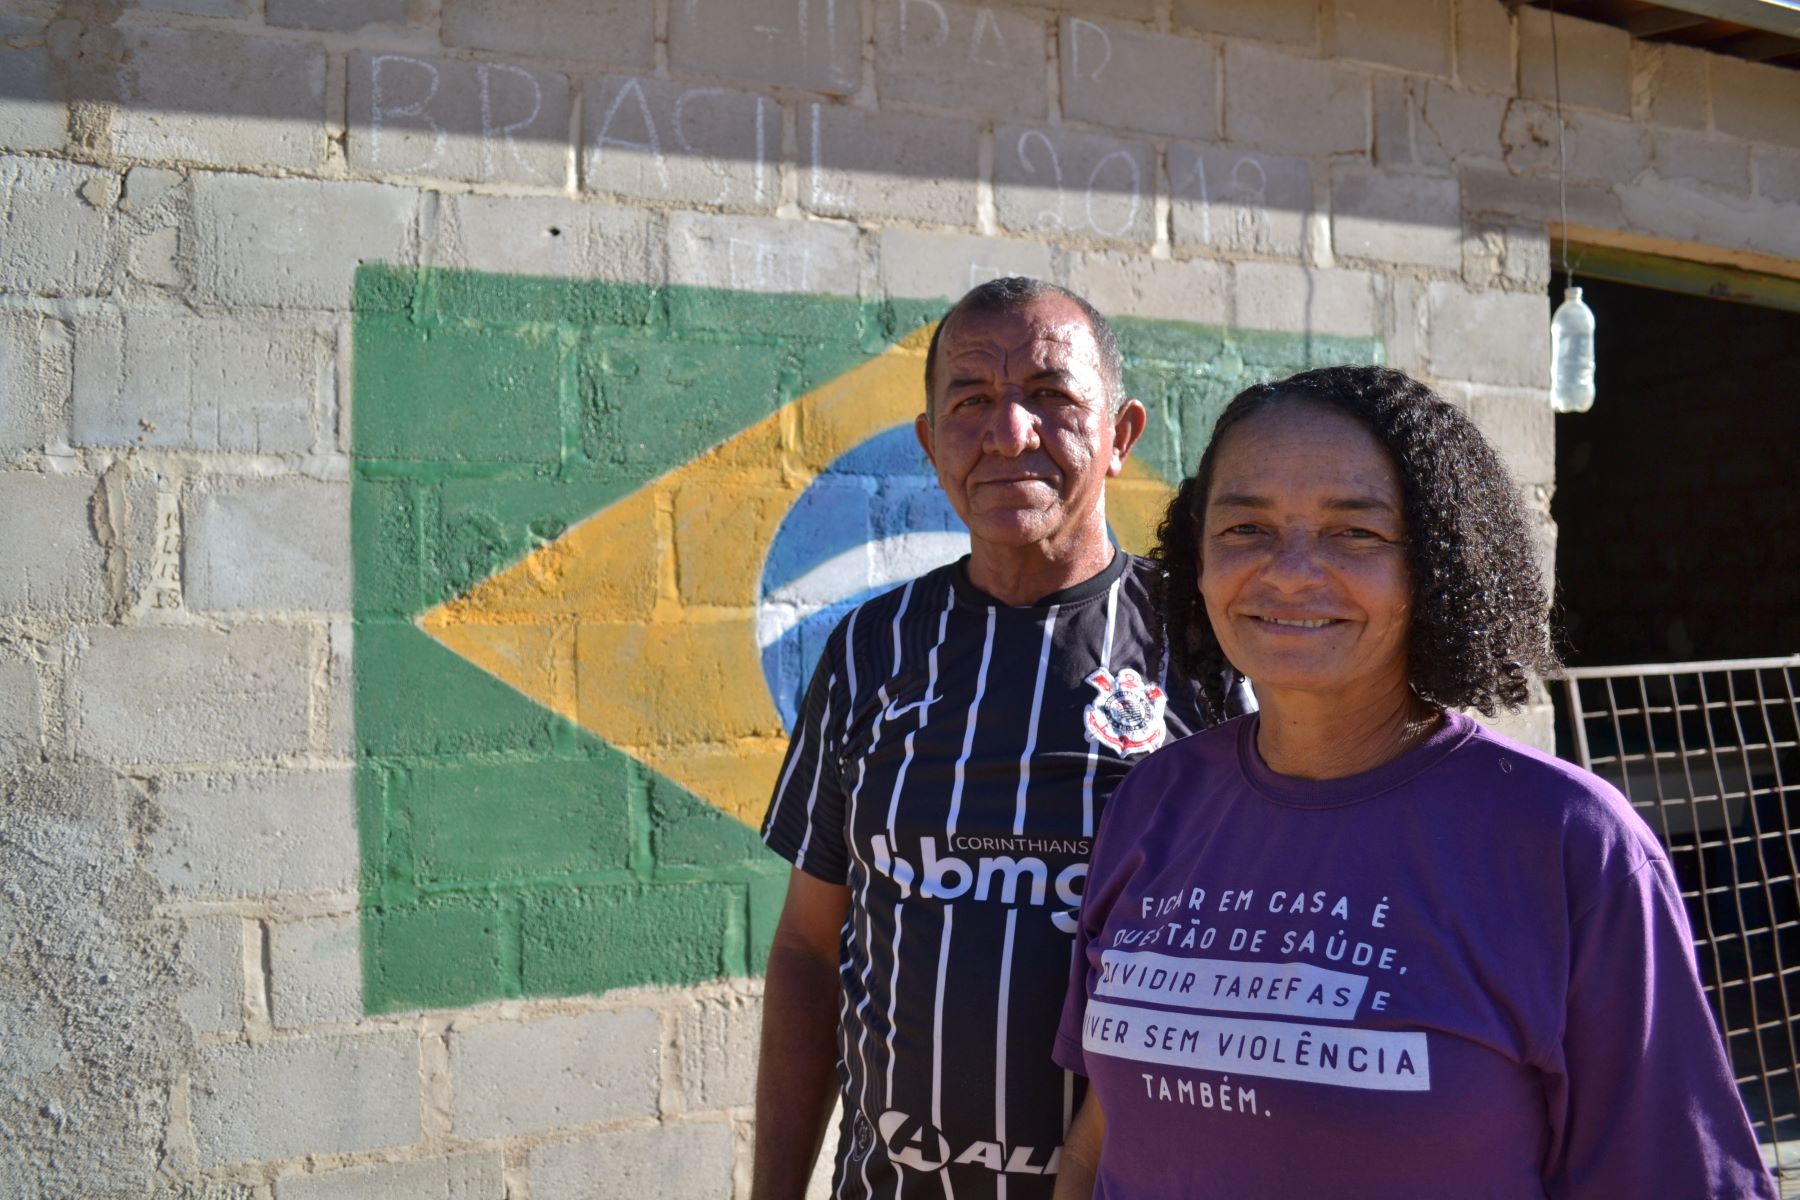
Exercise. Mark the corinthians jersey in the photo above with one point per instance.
(949, 765)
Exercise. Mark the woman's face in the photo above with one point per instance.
(1303, 554)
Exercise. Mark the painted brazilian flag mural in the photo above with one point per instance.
(600, 532)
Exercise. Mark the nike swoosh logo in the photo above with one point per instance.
(895, 709)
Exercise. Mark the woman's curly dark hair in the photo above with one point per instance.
(1480, 618)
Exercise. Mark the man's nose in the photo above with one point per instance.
(1013, 428)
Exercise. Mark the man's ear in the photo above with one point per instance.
(1128, 426)
(923, 431)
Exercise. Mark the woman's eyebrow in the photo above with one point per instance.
(1339, 504)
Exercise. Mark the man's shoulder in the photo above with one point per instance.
(918, 598)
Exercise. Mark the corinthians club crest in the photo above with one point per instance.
(1127, 714)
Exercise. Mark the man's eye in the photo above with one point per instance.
(1246, 529)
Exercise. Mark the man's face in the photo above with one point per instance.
(1020, 433)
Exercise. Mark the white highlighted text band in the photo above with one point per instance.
(1373, 1059)
(1290, 989)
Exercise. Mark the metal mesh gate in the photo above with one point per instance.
(1707, 753)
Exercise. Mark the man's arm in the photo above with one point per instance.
(796, 1075)
(1079, 1165)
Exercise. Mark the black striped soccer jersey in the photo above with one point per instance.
(949, 765)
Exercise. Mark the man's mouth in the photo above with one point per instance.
(1299, 622)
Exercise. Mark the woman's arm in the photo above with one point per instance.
(1645, 1105)
(1080, 1162)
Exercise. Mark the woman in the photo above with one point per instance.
(1356, 945)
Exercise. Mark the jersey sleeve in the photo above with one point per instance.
(1645, 1104)
(805, 821)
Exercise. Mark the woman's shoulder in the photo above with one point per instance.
(1540, 796)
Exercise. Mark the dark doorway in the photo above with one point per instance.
(1678, 496)
(1677, 505)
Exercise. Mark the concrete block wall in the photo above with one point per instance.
(188, 189)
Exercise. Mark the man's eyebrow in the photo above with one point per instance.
(1058, 373)
(966, 381)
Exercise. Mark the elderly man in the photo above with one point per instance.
(940, 794)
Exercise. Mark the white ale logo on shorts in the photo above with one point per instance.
(921, 1146)
(1127, 714)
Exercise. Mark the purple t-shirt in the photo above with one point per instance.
(1465, 973)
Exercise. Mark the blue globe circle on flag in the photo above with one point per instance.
(869, 522)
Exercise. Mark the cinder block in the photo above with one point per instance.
(1689, 213)
(1083, 184)
(261, 834)
(1379, 215)
(340, 713)
(1754, 100)
(21, 712)
(295, 243)
(1719, 162)
(341, 16)
(1677, 77)
(1777, 176)
(1236, 201)
(211, 951)
(457, 119)
(315, 970)
(1519, 423)
(477, 1176)
(973, 59)
(677, 142)
(1414, 34)
(1127, 78)
(1130, 10)
(177, 694)
(1451, 125)
(1603, 79)
(1290, 105)
(199, 383)
(546, 236)
(199, 8)
(1498, 191)
(919, 264)
(1295, 299)
(676, 1162)
(1505, 254)
(1293, 21)
(866, 165)
(762, 254)
(816, 46)
(1496, 338)
(619, 33)
(268, 545)
(510, 1078)
(1403, 328)
(1424, 123)
(57, 244)
(34, 116)
(1133, 285)
(36, 358)
(1485, 46)
(260, 102)
(331, 1095)
(55, 567)
(719, 1040)
(1600, 150)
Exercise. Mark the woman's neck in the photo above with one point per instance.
(1314, 735)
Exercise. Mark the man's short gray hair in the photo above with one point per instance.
(1010, 293)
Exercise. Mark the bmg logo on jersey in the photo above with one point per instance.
(923, 1147)
(1002, 878)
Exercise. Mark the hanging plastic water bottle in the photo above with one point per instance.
(1572, 354)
